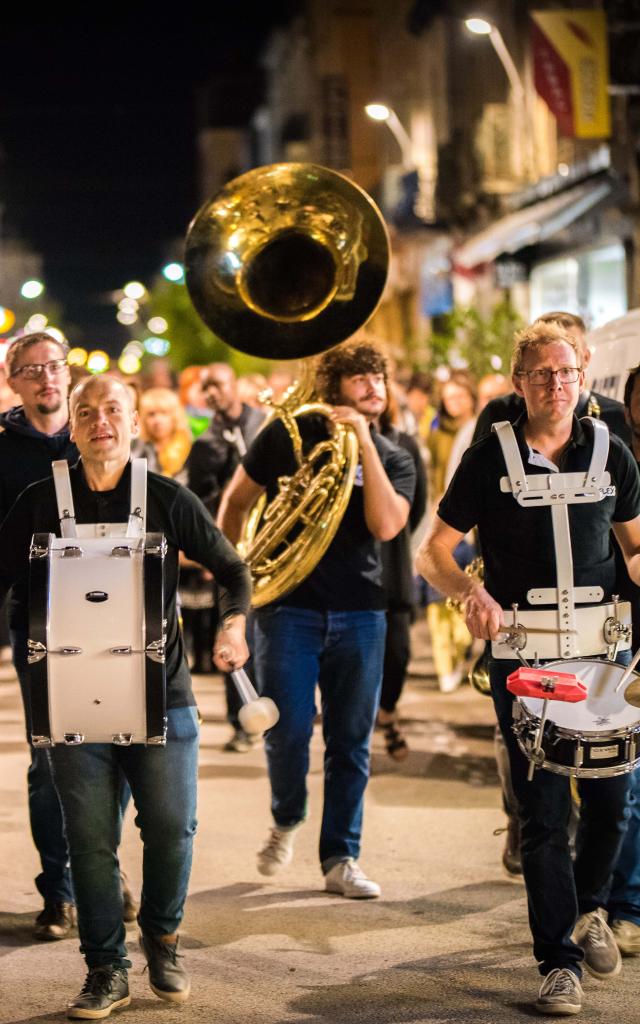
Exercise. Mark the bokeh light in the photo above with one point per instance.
(36, 323)
(157, 346)
(135, 290)
(129, 363)
(157, 325)
(77, 356)
(32, 289)
(7, 319)
(173, 272)
(97, 361)
(56, 334)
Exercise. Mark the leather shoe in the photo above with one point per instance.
(55, 921)
(106, 988)
(167, 977)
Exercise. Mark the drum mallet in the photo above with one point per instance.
(628, 671)
(257, 714)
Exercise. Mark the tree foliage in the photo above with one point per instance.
(192, 343)
(465, 338)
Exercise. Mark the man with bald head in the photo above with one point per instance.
(162, 779)
(211, 464)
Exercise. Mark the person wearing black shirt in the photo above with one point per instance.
(565, 900)
(510, 407)
(163, 779)
(330, 628)
(211, 464)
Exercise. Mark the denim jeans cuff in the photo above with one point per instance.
(331, 862)
(98, 961)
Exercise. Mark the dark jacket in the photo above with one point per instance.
(216, 453)
(26, 455)
(397, 566)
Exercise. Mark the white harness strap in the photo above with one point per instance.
(559, 490)
(138, 515)
(64, 498)
(136, 525)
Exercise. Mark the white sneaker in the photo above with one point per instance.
(277, 851)
(348, 879)
(560, 993)
(450, 682)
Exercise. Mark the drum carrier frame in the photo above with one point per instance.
(87, 689)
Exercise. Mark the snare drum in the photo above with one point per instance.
(597, 738)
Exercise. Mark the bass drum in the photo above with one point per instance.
(596, 738)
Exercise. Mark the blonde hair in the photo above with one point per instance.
(172, 452)
(536, 337)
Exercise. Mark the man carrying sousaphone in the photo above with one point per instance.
(329, 629)
(523, 548)
(163, 779)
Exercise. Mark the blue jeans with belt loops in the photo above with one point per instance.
(558, 891)
(295, 648)
(163, 782)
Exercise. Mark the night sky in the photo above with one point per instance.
(97, 137)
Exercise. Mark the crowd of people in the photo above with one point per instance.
(428, 475)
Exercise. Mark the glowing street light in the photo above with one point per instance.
(482, 27)
(135, 290)
(386, 114)
(7, 319)
(98, 361)
(32, 289)
(77, 357)
(173, 272)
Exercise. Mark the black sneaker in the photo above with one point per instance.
(55, 921)
(167, 977)
(106, 988)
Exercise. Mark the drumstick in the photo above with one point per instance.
(535, 629)
(628, 671)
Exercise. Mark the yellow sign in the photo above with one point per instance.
(571, 69)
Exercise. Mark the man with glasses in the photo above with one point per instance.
(33, 435)
(566, 900)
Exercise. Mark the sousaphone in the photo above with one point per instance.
(285, 262)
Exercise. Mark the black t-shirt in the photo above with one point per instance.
(171, 510)
(517, 543)
(349, 575)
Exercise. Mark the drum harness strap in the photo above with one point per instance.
(136, 524)
(558, 491)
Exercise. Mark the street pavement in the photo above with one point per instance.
(448, 941)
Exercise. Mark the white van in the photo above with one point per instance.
(615, 349)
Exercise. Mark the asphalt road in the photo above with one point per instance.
(448, 941)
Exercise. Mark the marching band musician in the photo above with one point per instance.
(565, 900)
(330, 629)
(162, 779)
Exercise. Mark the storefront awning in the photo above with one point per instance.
(531, 225)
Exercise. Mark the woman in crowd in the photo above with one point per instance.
(164, 431)
(450, 638)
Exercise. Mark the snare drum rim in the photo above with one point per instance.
(584, 773)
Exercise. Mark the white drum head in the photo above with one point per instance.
(604, 710)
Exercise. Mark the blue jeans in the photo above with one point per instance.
(557, 889)
(163, 782)
(45, 814)
(624, 899)
(295, 648)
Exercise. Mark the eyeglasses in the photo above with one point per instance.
(566, 375)
(31, 371)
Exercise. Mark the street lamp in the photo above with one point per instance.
(381, 112)
(482, 27)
